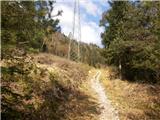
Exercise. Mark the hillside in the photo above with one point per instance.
(49, 75)
(52, 88)
(58, 44)
(34, 87)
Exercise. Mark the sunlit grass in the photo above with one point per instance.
(133, 100)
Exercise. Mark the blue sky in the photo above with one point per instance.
(91, 13)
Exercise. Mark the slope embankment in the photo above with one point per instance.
(43, 86)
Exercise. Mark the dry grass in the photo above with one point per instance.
(134, 101)
(58, 89)
(80, 104)
(55, 89)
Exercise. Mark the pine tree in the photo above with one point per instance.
(131, 36)
(25, 25)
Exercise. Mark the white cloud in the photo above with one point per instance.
(90, 31)
(90, 7)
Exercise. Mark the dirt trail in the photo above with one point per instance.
(107, 111)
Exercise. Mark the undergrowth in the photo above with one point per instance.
(40, 90)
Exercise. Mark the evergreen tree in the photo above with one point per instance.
(26, 23)
(131, 38)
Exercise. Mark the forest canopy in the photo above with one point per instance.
(26, 23)
(132, 39)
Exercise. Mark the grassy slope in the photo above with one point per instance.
(52, 88)
(134, 101)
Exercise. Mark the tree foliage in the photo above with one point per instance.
(131, 39)
(58, 44)
(26, 23)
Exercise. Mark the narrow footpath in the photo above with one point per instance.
(107, 110)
